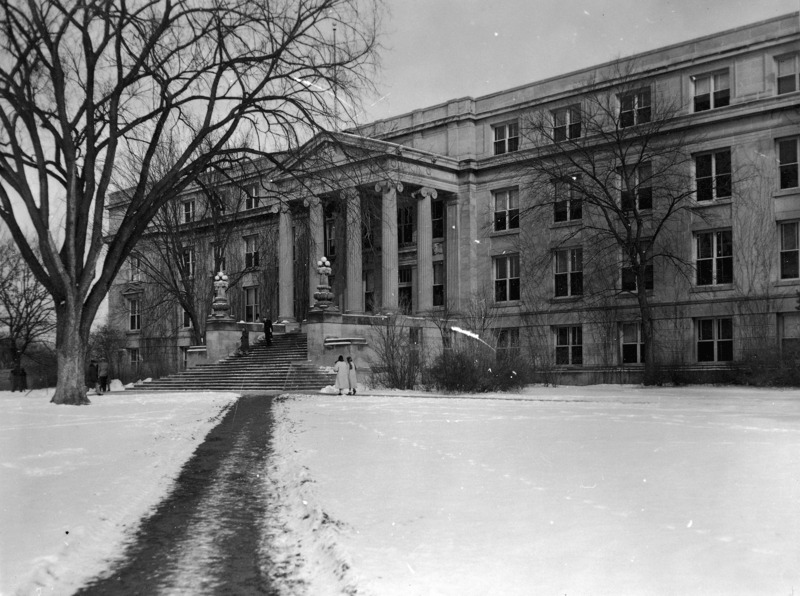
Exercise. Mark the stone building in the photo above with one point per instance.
(469, 201)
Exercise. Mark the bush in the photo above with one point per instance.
(472, 371)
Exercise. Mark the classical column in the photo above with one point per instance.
(285, 267)
(425, 249)
(316, 223)
(355, 277)
(389, 190)
(452, 289)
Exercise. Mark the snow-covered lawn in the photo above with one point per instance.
(75, 481)
(596, 490)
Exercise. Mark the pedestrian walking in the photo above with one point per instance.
(352, 379)
(102, 374)
(267, 330)
(340, 368)
(91, 376)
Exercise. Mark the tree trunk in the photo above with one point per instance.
(648, 340)
(71, 354)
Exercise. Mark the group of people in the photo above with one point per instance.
(97, 376)
(19, 378)
(346, 378)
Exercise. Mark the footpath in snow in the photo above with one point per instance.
(569, 490)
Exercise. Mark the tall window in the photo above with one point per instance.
(506, 209)
(634, 108)
(569, 272)
(629, 281)
(134, 357)
(330, 237)
(437, 219)
(251, 309)
(188, 262)
(507, 341)
(713, 175)
(187, 319)
(787, 73)
(637, 187)
(251, 256)
(789, 329)
(405, 225)
(405, 289)
(712, 91)
(787, 160)
(438, 284)
(251, 199)
(506, 138)
(569, 345)
(632, 345)
(567, 123)
(714, 258)
(715, 340)
(790, 251)
(134, 314)
(188, 211)
(134, 268)
(506, 278)
(568, 205)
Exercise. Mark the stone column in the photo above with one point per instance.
(389, 190)
(425, 250)
(285, 268)
(453, 251)
(355, 277)
(316, 224)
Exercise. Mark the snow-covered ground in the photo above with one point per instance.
(596, 490)
(75, 481)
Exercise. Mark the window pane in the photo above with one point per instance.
(562, 336)
(513, 289)
(789, 236)
(577, 259)
(560, 211)
(787, 152)
(705, 351)
(706, 329)
(702, 85)
(513, 199)
(630, 354)
(500, 294)
(704, 246)
(725, 351)
(501, 271)
(789, 265)
(561, 261)
(630, 333)
(725, 329)
(513, 265)
(725, 244)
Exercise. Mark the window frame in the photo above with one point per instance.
(568, 283)
(717, 261)
(567, 122)
(639, 111)
(573, 348)
(570, 208)
(712, 180)
(438, 297)
(507, 341)
(508, 217)
(788, 165)
(134, 313)
(188, 211)
(793, 76)
(252, 256)
(721, 348)
(628, 273)
(437, 219)
(252, 305)
(640, 355)
(252, 199)
(188, 261)
(717, 97)
(643, 200)
(406, 225)
(186, 319)
(134, 268)
(503, 139)
(789, 257)
(506, 284)
(134, 357)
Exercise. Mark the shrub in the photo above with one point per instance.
(476, 371)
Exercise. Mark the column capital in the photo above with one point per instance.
(351, 192)
(426, 192)
(311, 201)
(388, 185)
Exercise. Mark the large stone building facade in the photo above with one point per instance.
(431, 212)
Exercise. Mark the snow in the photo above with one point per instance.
(75, 481)
(567, 490)
(600, 490)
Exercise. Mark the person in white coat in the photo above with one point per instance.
(340, 368)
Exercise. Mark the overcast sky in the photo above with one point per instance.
(437, 50)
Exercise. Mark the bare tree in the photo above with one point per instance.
(86, 86)
(613, 173)
(26, 309)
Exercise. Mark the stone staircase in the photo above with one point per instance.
(282, 366)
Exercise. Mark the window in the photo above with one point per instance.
(714, 258)
(569, 345)
(568, 205)
(187, 319)
(632, 346)
(507, 341)
(405, 225)
(438, 284)
(787, 159)
(787, 74)
(569, 272)
(330, 237)
(790, 251)
(566, 123)
(713, 175)
(251, 256)
(789, 328)
(134, 357)
(715, 340)
(634, 108)
(251, 200)
(134, 314)
(251, 310)
(188, 262)
(629, 283)
(506, 278)
(506, 210)
(506, 138)
(711, 91)
(188, 211)
(134, 268)
(637, 187)
(405, 289)
(437, 219)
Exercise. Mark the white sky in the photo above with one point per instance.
(437, 50)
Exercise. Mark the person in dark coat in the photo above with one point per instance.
(91, 376)
(268, 330)
(102, 375)
(352, 377)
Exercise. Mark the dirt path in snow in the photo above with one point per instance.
(205, 538)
